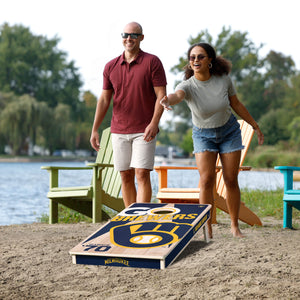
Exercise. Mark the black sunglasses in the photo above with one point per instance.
(132, 35)
(199, 57)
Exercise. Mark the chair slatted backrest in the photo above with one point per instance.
(111, 180)
(247, 134)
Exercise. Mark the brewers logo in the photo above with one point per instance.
(147, 234)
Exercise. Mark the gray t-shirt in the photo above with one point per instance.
(208, 100)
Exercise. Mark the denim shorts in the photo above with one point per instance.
(224, 139)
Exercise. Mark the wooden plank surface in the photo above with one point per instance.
(147, 235)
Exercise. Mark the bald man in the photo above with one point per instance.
(136, 81)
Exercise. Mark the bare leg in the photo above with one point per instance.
(144, 192)
(128, 187)
(230, 164)
(206, 163)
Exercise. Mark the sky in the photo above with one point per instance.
(90, 30)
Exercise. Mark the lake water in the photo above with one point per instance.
(24, 186)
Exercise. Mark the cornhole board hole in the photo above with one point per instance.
(145, 235)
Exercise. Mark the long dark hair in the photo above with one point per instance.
(220, 65)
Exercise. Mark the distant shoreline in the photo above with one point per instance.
(175, 161)
(18, 159)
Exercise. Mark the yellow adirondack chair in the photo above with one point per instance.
(191, 195)
(89, 200)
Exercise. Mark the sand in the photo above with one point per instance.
(35, 264)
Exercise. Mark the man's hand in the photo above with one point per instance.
(94, 140)
(150, 133)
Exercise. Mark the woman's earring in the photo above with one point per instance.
(210, 65)
(189, 67)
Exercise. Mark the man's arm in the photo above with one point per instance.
(152, 129)
(101, 110)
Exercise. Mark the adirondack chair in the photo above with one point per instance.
(191, 195)
(89, 200)
(291, 196)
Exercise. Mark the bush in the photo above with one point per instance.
(268, 157)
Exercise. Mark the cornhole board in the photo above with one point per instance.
(145, 235)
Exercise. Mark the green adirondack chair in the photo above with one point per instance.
(89, 200)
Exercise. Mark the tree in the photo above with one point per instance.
(34, 65)
(294, 128)
(187, 142)
(279, 69)
(19, 121)
(274, 126)
(291, 100)
(278, 66)
(241, 51)
(63, 130)
(250, 92)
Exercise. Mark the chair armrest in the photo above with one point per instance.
(287, 172)
(54, 171)
(50, 168)
(163, 173)
(287, 168)
(175, 168)
(245, 168)
(100, 165)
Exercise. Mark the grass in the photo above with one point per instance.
(66, 215)
(263, 203)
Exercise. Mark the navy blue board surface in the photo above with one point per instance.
(144, 235)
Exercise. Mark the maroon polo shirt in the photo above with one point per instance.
(134, 96)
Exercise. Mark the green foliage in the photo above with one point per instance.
(19, 121)
(250, 91)
(270, 156)
(291, 101)
(40, 95)
(163, 137)
(294, 129)
(34, 65)
(236, 47)
(278, 66)
(274, 125)
(264, 203)
(67, 215)
(187, 142)
(41, 101)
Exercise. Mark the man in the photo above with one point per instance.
(137, 82)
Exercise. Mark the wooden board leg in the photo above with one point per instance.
(205, 232)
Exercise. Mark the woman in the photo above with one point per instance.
(210, 95)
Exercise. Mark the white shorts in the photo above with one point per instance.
(132, 151)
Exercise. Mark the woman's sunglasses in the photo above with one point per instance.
(199, 57)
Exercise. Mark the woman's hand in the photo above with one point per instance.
(165, 103)
(260, 136)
